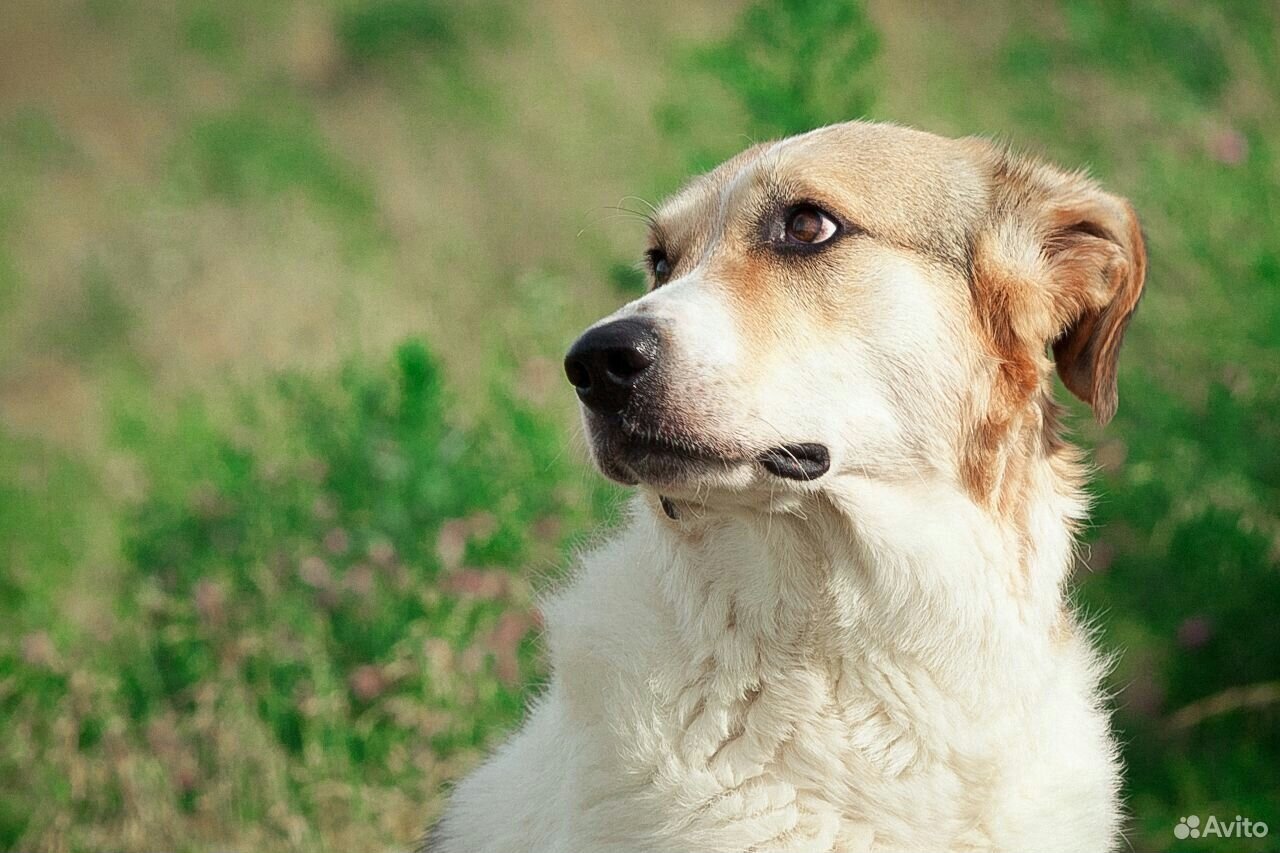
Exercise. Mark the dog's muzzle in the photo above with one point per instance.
(616, 369)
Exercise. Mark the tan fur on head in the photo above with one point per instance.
(1081, 250)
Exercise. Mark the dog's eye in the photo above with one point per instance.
(660, 264)
(808, 225)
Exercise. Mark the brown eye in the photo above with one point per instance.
(660, 264)
(807, 224)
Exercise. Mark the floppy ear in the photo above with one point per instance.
(1097, 263)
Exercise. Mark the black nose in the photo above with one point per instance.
(607, 362)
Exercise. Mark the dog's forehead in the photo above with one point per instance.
(912, 188)
(692, 211)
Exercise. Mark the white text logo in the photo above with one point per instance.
(1241, 827)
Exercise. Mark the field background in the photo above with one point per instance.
(285, 452)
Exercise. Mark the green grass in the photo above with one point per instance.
(323, 597)
(243, 154)
(280, 611)
(785, 68)
(386, 28)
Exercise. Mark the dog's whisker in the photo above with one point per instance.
(653, 210)
(648, 218)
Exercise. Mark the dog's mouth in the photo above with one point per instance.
(649, 456)
(631, 456)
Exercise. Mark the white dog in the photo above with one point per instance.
(836, 619)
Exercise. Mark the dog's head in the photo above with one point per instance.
(861, 300)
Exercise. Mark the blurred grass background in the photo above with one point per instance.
(284, 449)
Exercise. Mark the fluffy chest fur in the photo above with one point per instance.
(871, 671)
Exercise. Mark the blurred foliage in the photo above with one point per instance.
(380, 30)
(31, 136)
(239, 154)
(629, 279)
(1120, 34)
(279, 616)
(8, 278)
(797, 64)
(789, 66)
(97, 324)
(1184, 583)
(209, 34)
(41, 529)
(331, 589)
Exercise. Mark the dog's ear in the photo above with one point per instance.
(1097, 264)
(1061, 263)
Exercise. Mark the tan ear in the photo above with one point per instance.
(1097, 263)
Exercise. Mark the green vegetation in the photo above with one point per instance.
(322, 598)
(267, 571)
(386, 28)
(244, 153)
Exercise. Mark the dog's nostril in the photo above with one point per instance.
(605, 365)
(578, 374)
(625, 362)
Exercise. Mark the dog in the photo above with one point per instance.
(836, 618)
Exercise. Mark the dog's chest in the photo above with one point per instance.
(730, 708)
(805, 757)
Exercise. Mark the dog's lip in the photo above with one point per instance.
(629, 446)
(633, 457)
(650, 443)
(804, 461)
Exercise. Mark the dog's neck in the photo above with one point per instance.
(869, 569)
